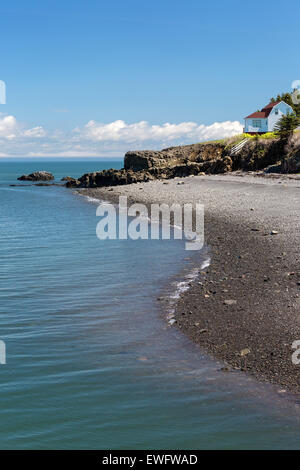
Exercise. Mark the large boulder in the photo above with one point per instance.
(37, 176)
(173, 156)
(111, 178)
(146, 159)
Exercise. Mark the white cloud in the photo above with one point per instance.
(143, 131)
(11, 129)
(8, 127)
(35, 132)
(112, 139)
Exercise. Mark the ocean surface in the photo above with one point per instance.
(91, 360)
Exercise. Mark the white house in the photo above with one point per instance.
(265, 120)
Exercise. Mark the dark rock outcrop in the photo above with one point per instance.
(292, 163)
(210, 157)
(69, 180)
(37, 176)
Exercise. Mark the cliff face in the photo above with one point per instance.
(144, 160)
(172, 156)
(187, 160)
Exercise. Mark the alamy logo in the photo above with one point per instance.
(2, 92)
(296, 92)
(154, 225)
(2, 353)
(296, 353)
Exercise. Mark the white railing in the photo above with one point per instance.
(237, 148)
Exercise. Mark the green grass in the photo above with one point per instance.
(231, 141)
(220, 141)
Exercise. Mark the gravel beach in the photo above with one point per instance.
(245, 307)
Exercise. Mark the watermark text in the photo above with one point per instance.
(138, 222)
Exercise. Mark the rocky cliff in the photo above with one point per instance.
(214, 157)
(37, 176)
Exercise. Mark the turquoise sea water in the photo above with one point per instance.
(91, 362)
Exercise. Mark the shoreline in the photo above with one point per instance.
(245, 307)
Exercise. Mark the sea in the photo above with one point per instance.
(92, 361)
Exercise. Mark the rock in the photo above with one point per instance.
(146, 159)
(230, 302)
(37, 176)
(183, 161)
(245, 351)
(273, 232)
(67, 178)
(73, 183)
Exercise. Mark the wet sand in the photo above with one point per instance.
(245, 307)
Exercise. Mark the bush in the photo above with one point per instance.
(286, 126)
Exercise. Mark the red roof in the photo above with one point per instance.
(265, 112)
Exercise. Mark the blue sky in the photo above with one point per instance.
(82, 75)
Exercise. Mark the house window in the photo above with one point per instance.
(256, 122)
(276, 111)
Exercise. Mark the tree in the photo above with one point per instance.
(284, 129)
(286, 126)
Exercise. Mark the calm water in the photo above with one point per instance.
(91, 362)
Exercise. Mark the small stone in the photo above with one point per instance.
(273, 232)
(230, 302)
(204, 330)
(172, 321)
(245, 351)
